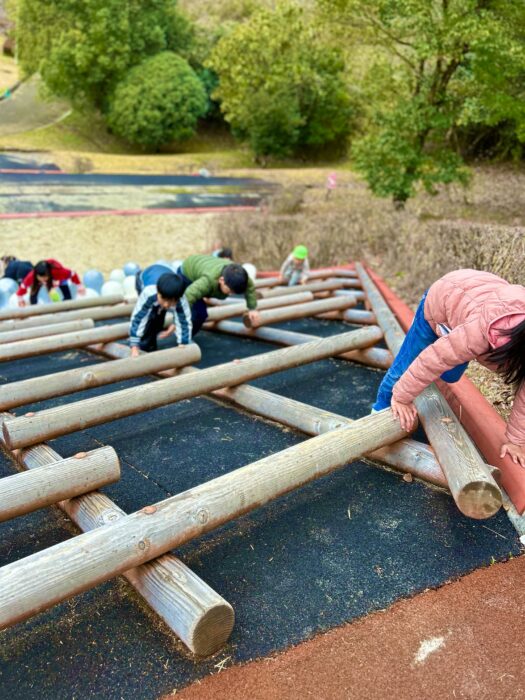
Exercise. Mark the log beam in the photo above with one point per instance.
(219, 313)
(40, 309)
(288, 313)
(73, 380)
(37, 582)
(63, 478)
(373, 357)
(102, 313)
(45, 331)
(198, 615)
(65, 341)
(62, 420)
(314, 287)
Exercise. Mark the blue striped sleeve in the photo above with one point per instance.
(182, 321)
(140, 315)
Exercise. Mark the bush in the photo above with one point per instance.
(160, 100)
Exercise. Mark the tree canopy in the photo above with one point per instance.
(158, 101)
(280, 86)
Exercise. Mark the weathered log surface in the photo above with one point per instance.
(41, 580)
(219, 313)
(65, 341)
(40, 309)
(373, 357)
(62, 420)
(64, 478)
(102, 313)
(288, 313)
(72, 380)
(45, 331)
(327, 286)
(267, 282)
(357, 316)
(474, 490)
(198, 615)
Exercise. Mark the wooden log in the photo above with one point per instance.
(45, 331)
(198, 615)
(470, 480)
(288, 313)
(267, 282)
(64, 478)
(356, 316)
(102, 313)
(359, 295)
(373, 357)
(328, 286)
(231, 310)
(73, 380)
(41, 426)
(331, 273)
(40, 309)
(407, 455)
(37, 582)
(65, 341)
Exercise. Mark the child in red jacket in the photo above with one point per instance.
(49, 273)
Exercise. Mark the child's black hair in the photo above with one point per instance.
(225, 253)
(170, 286)
(42, 268)
(236, 277)
(510, 358)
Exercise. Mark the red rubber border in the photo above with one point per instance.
(475, 413)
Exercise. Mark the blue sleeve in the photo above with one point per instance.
(140, 316)
(182, 321)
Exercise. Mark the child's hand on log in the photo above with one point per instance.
(406, 414)
(515, 452)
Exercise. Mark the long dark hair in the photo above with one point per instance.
(510, 358)
(42, 268)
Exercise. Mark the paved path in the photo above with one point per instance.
(26, 110)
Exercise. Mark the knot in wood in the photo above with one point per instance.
(31, 413)
(80, 455)
(143, 545)
(203, 516)
(149, 510)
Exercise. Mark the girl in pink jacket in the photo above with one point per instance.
(465, 315)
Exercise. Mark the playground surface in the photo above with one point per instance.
(311, 569)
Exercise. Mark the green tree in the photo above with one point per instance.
(83, 48)
(159, 100)
(435, 67)
(280, 86)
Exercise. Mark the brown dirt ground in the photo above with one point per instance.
(463, 640)
(106, 242)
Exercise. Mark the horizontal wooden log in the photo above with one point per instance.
(267, 282)
(358, 316)
(470, 481)
(97, 313)
(33, 429)
(72, 380)
(40, 309)
(327, 286)
(373, 357)
(359, 295)
(198, 615)
(37, 582)
(232, 310)
(331, 273)
(65, 341)
(288, 313)
(45, 331)
(407, 455)
(66, 478)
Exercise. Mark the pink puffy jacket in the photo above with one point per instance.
(476, 307)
